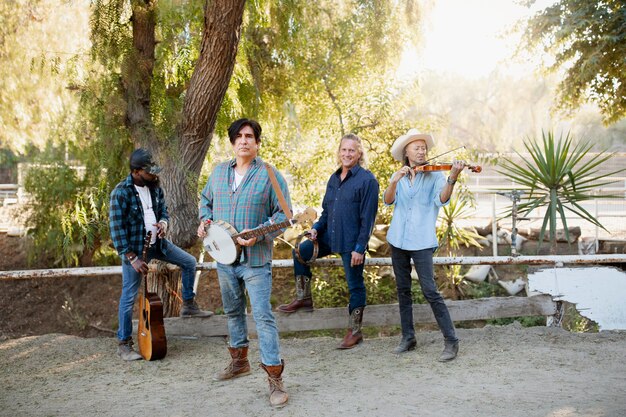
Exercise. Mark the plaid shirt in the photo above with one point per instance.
(253, 204)
(126, 217)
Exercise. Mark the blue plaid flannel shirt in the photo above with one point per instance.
(254, 204)
(126, 217)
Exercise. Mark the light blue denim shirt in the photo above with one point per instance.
(415, 212)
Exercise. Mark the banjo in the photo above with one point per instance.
(221, 239)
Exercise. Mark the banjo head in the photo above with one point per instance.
(219, 243)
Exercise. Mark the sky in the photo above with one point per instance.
(466, 37)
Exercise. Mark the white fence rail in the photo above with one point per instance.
(556, 260)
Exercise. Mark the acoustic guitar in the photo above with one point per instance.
(221, 239)
(151, 331)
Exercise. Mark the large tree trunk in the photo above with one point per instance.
(207, 87)
(183, 155)
(137, 75)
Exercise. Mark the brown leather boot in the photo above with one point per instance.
(354, 335)
(278, 395)
(238, 366)
(303, 300)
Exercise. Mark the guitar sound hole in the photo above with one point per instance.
(146, 320)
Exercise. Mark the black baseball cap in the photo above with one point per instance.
(142, 159)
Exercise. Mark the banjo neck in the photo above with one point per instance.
(260, 231)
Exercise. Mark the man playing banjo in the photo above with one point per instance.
(239, 194)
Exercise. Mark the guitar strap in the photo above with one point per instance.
(285, 207)
(278, 191)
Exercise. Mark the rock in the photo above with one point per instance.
(513, 287)
(477, 273)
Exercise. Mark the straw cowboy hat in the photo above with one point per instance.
(397, 149)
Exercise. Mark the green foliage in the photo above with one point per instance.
(525, 321)
(8, 159)
(311, 71)
(558, 175)
(451, 237)
(84, 227)
(47, 208)
(307, 71)
(573, 321)
(37, 49)
(69, 215)
(111, 31)
(588, 42)
(329, 288)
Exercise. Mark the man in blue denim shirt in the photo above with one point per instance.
(347, 221)
(417, 197)
(137, 206)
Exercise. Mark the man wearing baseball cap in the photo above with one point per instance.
(137, 207)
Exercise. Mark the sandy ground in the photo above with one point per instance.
(501, 371)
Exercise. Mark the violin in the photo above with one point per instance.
(444, 167)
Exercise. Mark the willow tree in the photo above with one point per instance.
(125, 38)
(168, 67)
(36, 52)
(316, 70)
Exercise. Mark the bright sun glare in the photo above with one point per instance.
(467, 37)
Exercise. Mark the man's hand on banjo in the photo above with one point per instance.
(246, 242)
(201, 230)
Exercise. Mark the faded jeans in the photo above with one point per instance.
(234, 281)
(131, 281)
(423, 260)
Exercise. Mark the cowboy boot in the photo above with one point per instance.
(191, 309)
(278, 395)
(304, 300)
(238, 366)
(450, 350)
(354, 335)
(406, 344)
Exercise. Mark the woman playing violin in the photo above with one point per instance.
(417, 197)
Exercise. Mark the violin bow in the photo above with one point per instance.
(442, 154)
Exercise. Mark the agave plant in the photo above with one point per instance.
(559, 177)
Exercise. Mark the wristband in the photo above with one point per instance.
(450, 181)
(131, 259)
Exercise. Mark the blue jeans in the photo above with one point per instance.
(131, 282)
(423, 260)
(234, 281)
(354, 274)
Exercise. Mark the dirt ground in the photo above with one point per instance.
(501, 371)
(57, 358)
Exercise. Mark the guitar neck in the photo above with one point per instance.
(260, 231)
(144, 257)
